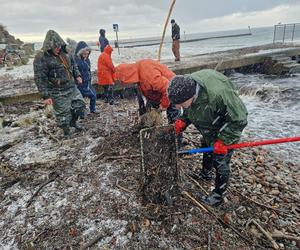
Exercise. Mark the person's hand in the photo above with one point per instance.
(79, 79)
(180, 125)
(47, 101)
(220, 148)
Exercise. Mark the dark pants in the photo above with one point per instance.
(221, 163)
(91, 94)
(175, 49)
(108, 93)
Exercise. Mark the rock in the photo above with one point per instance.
(269, 179)
(227, 218)
(275, 192)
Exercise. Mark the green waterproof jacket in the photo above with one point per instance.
(218, 112)
(54, 74)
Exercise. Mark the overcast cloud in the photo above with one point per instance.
(29, 20)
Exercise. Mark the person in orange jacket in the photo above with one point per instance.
(152, 79)
(105, 73)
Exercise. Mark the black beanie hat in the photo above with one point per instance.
(172, 21)
(181, 89)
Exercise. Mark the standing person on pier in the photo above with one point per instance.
(176, 40)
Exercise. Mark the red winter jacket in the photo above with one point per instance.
(106, 67)
(152, 77)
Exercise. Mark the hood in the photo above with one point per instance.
(52, 40)
(102, 32)
(108, 49)
(81, 46)
(127, 73)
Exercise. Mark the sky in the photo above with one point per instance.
(29, 20)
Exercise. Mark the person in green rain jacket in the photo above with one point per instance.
(55, 74)
(212, 105)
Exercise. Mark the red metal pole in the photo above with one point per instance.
(266, 142)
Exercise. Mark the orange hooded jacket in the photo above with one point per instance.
(151, 76)
(106, 67)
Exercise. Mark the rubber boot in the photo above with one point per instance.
(213, 199)
(73, 123)
(206, 173)
(221, 164)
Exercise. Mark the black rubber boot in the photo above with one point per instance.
(213, 199)
(206, 173)
(73, 123)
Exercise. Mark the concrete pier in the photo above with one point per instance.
(267, 59)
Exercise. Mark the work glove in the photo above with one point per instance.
(180, 125)
(220, 148)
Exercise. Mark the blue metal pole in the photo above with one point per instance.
(196, 151)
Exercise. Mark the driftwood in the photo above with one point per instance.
(198, 204)
(39, 189)
(101, 235)
(259, 204)
(116, 157)
(196, 182)
(6, 145)
(209, 237)
(220, 220)
(120, 187)
(285, 236)
(267, 234)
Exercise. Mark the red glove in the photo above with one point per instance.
(180, 125)
(220, 148)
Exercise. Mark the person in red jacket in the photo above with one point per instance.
(152, 79)
(105, 73)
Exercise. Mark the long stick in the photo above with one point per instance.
(39, 189)
(243, 145)
(165, 27)
(267, 234)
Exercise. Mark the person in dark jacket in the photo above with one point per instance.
(176, 40)
(103, 42)
(54, 72)
(212, 105)
(82, 60)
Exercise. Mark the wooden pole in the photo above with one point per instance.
(165, 27)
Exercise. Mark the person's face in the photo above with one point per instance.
(56, 51)
(185, 104)
(85, 54)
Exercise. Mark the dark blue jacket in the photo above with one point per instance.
(103, 42)
(84, 67)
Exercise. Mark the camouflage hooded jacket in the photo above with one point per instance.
(218, 112)
(52, 73)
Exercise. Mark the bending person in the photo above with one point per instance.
(153, 79)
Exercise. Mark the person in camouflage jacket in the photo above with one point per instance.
(54, 73)
(212, 105)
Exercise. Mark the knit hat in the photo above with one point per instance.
(172, 21)
(181, 89)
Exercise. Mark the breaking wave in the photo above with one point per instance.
(273, 105)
